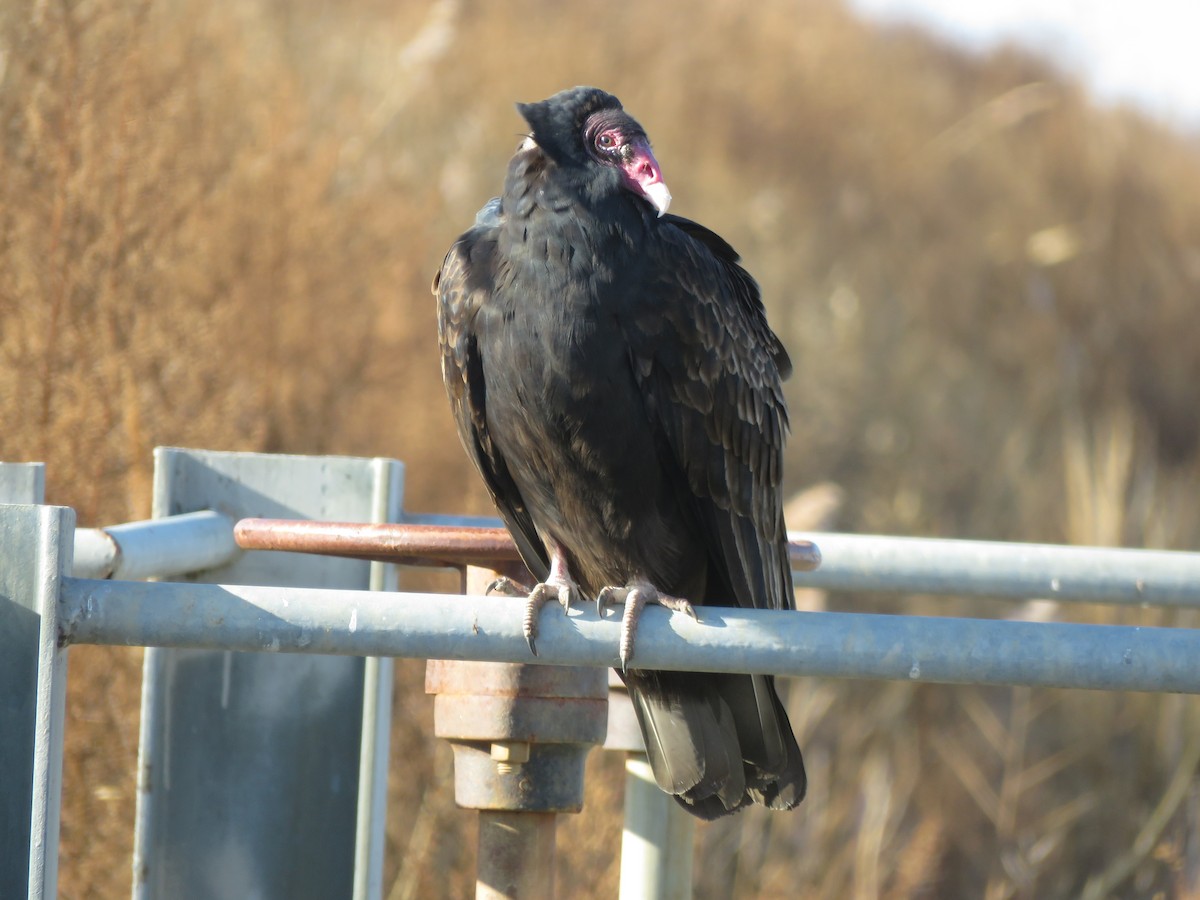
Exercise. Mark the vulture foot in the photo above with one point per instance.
(634, 597)
(560, 589)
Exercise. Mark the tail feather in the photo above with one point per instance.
(717, 742)
(790, 784)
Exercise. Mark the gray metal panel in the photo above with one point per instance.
(243, 485)
(249, 762)
(22, 482)
(19, 483)
(35, 549)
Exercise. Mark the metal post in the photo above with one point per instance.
(516, 855)
(520, 734)
(657, 838)
(656, 844)
(35, 551)
(378, 677)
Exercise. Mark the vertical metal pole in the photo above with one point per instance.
(656, 845)
(35, 553)
(377, 708)
(520, 734)
(516, 855)
(515, 859)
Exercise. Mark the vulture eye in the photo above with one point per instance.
(606, 140)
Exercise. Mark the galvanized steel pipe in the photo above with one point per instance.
(863, 562)
(657, 837)
(176, 545)
(843, 645)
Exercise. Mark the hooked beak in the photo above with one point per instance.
(643, 176)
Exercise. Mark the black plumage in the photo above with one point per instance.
(617, 385)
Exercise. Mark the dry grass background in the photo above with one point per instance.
(217, 227)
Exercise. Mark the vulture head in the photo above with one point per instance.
(584, 127)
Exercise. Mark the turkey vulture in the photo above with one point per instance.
(616, 384)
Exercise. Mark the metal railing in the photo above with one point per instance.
(155, 548)
(854, 562)
(93, 605)
(440, 626)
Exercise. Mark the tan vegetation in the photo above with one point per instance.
(217, 227)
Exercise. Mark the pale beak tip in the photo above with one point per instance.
(659, 196)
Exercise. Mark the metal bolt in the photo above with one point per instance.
(509, 754)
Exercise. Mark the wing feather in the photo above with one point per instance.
(462, 286)
(712, 371)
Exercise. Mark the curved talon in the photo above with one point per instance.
(606, 597)
(506, 586)
(560, 590)
(679, 605)
(529, 623)
(635, 596)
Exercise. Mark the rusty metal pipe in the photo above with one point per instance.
(440, 545)
(521, 735)
(516, 855)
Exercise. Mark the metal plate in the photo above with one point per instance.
(35, 549)
(249, 762)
